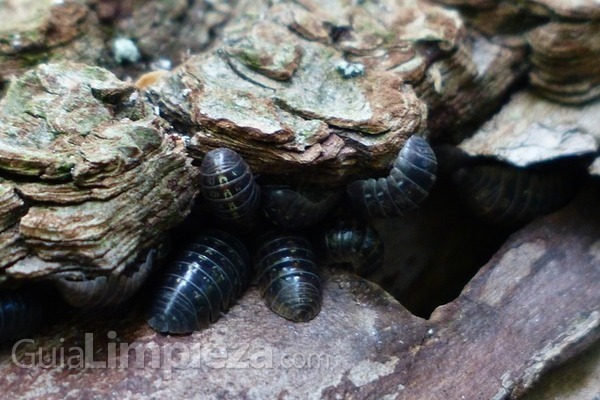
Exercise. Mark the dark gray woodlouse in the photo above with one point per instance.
(354, 243)
(288, 207)
(21, 313)
(412, 175)
(506, 195)
(288, 276)
(229, 188)
(202, 282)
(106, 290)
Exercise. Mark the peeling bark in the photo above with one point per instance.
(529, 130)
(562, 37)
(335, 88)
(97, 182)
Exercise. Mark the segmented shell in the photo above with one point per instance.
(229, 188)
(107, 290)
(288, 277)
(506, 195)
(21, 313)
(202, 282)
(355, 243)
(407, 185)
(303, 206)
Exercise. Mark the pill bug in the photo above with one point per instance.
(288, 276)
(202, 281)
(408, 183)
(229, 189)
(505, 195)
(296, 207)
(21, 313)
(354, 243)
(106, 290)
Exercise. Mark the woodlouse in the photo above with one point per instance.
(107, 290)
(21, 313)
(505, 195)
(288, 207)
(202, 282)
(288, 276)
(353, 243)
(229, 188)
(407, 185)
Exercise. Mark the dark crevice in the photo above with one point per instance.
(452, 242)
(436, 251)
(21, 179)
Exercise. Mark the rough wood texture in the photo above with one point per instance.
(334, 88)
(164, 32)
(90, 176)
(563, 38)
(536, 303)
(530, 130)
(246, 355)
(36, 31)
(577, 379)
(574, 10)
(184, 27)
(464, 89)
(565, 61)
